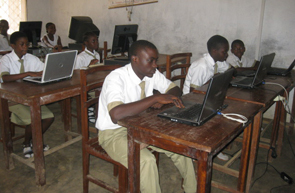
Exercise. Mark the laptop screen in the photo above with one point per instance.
(263, 67)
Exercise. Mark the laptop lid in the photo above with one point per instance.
(58, 66)
(212, 103)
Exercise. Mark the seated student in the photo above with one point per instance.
(17, 65)
(121, 96)
(236, 58)
(50, 39)
(4, 37)
(89, 56)
(203, 69)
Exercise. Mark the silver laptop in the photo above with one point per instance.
(58, 66)
(196, 114)
(281, 71)
(260, 74)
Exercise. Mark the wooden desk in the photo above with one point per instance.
(200, 143)
(35, 95)
(263, 95)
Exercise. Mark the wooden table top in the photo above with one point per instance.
(22, 92)
(210, 137)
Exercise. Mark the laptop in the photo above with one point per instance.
(260, 74)
(58, 66)
(251, 73)
(196, 114)
(281, 71)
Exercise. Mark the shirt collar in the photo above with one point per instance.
(15, 57)
(132, 75)
(92, 53)
(209, 59)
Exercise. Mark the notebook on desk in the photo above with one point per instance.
(58, 66)
(260, 74)
(196, 114)
(281, 71)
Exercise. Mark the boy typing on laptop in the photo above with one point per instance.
(17, 65)
(203, 69)
(128, 91)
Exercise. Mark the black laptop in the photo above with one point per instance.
(281, 71)
(251, 73)
(260, 74)
(197, 114)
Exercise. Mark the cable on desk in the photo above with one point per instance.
(232, 116)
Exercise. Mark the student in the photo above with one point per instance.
(121, 96)
(50, 39)
(236, 58)
(203, 69)
(89, 56)
(4, 37)
(17, 65)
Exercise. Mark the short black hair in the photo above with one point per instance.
(139, 45)
(4, 21)
(16, 36)
(240, 42)
(215, 42)
(87, 35)
(49, 24)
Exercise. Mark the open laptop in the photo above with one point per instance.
(260, 74)
(281, 71)
(196, 114)
(58, 66)
(251, 73)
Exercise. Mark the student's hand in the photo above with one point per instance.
(35, 74)
(167, 98)
(94, 61)
(157, 106)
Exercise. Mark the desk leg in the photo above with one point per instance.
(282, 125)
(204, 172)
(133, 163)
(253, 149)
(37, 142)
(244, 158)
(275, 128)
(67, 118)
(6, 134)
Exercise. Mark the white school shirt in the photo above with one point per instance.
(10, 63)
(234, 61)
(122, 86)
(4, 45)
(84, 58)
(201, 71)
(53, 43)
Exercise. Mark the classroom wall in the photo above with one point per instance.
(173, 26)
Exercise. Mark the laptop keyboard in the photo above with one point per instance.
(245, 81)
(190, 113)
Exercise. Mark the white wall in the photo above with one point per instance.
(185, 25)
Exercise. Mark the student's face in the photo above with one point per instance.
(51, 29)
(220, 54)
(92, 43)
(238, 50)
(144, 64)
(4, 27)
(20, 47)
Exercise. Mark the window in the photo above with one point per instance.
(13, 11)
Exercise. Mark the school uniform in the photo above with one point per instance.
(234, 61)
(122, 86)
(85, 57)
(10, 64)
(201, 71)
(4, 43)
(53, 43)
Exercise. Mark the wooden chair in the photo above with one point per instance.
(178, 61)
(90, 146)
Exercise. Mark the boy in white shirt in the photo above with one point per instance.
(89, 56)
(236, 58)
(128, 91)
(4, 37)
(200, 71)
(17, 65)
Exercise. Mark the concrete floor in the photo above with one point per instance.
(64, 168)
